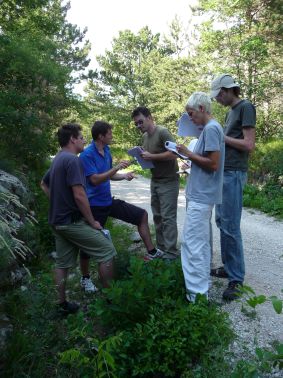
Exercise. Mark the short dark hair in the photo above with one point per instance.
(65, 132)
(141, 110)
(100, 128)
(236, 90)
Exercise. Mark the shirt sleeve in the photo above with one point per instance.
(166, 135)
(212, 139)
(89, 164)
(74, 173)
(248, 115)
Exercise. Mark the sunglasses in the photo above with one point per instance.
(138, 123)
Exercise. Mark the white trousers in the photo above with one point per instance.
(196, 249)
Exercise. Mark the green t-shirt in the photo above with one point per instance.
(243, 114)
(163, 170)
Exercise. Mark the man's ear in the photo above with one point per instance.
(72, 139)
(100, 136)
(201, 109)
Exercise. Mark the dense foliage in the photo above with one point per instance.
(167, 339)
(239, 37)
(265, 189)
(42, 54)
(130, 328)
(39, 53)
(244, 38)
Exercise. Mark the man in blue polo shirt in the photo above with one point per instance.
(97, 163)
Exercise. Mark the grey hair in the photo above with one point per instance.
(198, 99)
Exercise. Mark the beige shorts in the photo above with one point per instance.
(72, 238)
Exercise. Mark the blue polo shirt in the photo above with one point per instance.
(95, 163)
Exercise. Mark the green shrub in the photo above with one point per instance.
(266, 163)
(267, 198)
(35, 336)
(131, 298)
(176, 337)
(265, 188)
(120, 236)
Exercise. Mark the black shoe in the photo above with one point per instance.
(233, 291)
(219, 272)
(67, 308)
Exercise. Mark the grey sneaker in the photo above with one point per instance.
(88, 286)
(157, 255)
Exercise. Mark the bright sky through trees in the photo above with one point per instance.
(105, 18)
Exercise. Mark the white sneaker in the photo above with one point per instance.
(157, 255)
(88, 286)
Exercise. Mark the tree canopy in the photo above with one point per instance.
(39, 53)
(239, 37)
(42, 56)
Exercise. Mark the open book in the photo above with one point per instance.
(136, 152)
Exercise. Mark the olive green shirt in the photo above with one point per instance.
(155, 144)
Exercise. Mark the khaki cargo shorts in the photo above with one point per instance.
(72, 238)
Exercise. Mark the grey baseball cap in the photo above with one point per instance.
(222, 81)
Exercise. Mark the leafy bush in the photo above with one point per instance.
(175, 337)
(267, 198)
(120, 236)
(265, 361)
(34, 336)
(265, 189)
(128, 301)
(144, 328)
(266, 162)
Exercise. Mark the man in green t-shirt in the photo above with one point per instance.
(164, 182)
(239, 131)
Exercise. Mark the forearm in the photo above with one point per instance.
(239, 144)
(204, 162)
(247, 143)
(210, 162)
(118, 177)
(97, 179)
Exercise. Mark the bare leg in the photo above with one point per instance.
(61, 275)
(84, 265)
(144, 232)
(106, 272)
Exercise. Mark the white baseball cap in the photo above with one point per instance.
(222, 81)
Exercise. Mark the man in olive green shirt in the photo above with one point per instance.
(164, 182)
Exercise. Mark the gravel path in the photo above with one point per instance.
(263, 244)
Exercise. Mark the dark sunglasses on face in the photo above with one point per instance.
(138, 123)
